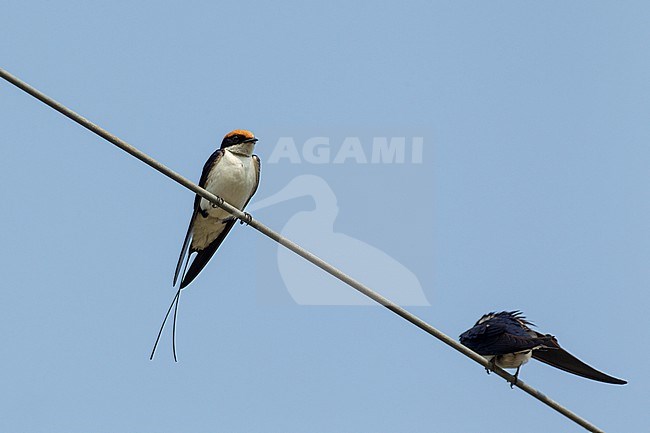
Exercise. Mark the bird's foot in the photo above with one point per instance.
(514, 382)
(219, 201)
(247, 219)
(490, 367)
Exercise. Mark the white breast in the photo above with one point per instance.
(514, 360)
(233, 179)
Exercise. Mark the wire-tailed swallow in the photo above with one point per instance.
(233, 174)
(506, 340)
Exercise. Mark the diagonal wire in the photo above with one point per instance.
(295, 248)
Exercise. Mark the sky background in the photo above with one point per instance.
(532, 194)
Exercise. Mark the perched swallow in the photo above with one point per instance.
(233, 174)
(506, 340)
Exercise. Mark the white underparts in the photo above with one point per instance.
(233, 178)
(511, 360)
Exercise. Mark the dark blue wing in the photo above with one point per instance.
(560, 358)
(203, 256)
(207, 167)
(212, 160)
(498, 336)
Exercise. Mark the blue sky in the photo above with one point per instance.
(531, 193)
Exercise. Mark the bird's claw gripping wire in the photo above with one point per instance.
(218, 204)
(247, 219)
(490, 367)
(514, 382)
(204, 213)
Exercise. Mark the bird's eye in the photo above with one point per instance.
(235, 137)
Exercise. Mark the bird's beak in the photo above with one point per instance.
(252, 140)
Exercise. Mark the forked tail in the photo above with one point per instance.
(162, 326)
(173, 304)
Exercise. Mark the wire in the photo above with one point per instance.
(296, 249)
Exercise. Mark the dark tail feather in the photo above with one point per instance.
(184, 249)
(203, 256)
(174, 302)
(174, 326)
(560, 358)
